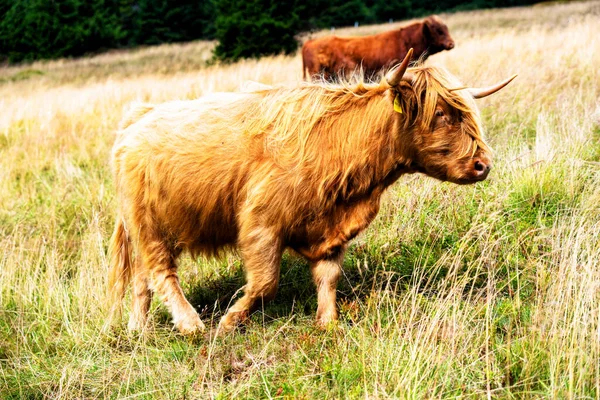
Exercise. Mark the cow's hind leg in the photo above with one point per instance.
(141, 297)
(163, 279)
(261, 250)
(325, 274)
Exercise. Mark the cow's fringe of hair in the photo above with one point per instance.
(432, 82)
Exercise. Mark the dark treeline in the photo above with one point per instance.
(37, 29)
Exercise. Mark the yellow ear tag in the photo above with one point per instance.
(397, 106)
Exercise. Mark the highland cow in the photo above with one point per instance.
(275, 169)
(333, 56)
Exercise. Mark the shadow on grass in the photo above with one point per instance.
(364, 270)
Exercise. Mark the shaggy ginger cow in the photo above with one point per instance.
(334, 56)
(301, 169)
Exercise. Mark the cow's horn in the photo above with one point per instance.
(482, 92)
(394, 76)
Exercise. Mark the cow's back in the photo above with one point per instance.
(182, 170)
(369, 52)
(342, 55)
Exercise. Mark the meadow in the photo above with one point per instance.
(490, 290)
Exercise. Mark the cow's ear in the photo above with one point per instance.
(427, 27)
(405, 102)
(431, 20)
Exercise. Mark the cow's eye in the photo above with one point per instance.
(439, 113)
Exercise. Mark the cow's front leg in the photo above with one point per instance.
(326, 274)
(261, 250)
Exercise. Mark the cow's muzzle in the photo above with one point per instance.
(481, 168)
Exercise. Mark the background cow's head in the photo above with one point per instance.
(440, 123)
(437, 35)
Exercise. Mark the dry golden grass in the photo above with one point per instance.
(489, 290)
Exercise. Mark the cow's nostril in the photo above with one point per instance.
(479, 166)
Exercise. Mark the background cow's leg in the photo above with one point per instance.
(261, 250)
(160, 262)
(325, 274)
(141, 296)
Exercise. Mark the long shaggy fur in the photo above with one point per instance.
(276, 168)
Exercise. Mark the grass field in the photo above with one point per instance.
(491, 290)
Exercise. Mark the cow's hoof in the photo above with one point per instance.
(327, 320)
(230, 321)
(136, 324)
(190, 326)
(332, 326)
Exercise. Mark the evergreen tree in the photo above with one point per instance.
(254, 28)
(396, 10)
(152, 27)
(347, 12)
(48, 29)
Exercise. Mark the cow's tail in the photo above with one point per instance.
(120, 267)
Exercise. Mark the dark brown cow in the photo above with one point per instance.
(332, 56)
(274, 169)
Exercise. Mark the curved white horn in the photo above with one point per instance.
(482, 92)
(394, 76)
